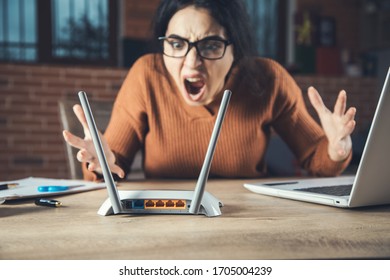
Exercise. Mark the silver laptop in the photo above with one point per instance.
(370, 185)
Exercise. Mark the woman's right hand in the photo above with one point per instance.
(87, 152)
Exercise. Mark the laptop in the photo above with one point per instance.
(197, 201)
(371, 184)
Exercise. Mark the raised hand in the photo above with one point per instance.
(86, 148)
(338, 125)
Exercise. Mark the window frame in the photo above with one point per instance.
(44, 44)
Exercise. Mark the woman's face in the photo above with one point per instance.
(199, 80)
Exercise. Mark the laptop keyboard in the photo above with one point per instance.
(338, 190)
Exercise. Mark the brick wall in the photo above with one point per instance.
(362, 93)
(31, 142)
(137, 18)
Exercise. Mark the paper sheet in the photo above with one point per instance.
(28, 187)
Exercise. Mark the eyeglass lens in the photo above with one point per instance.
(209, 48)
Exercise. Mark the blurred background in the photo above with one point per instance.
(51, 49)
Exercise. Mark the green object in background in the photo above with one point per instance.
(305, 59)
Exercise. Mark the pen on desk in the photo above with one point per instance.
(48, 202)
(8, 186)
(56, 188)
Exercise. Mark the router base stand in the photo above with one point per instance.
(161, 202)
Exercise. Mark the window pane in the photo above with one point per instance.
(18, 36)
(30, 54)
(264, 16)
(30, 21)
(3, 18)
(80, 29)
(13, 22)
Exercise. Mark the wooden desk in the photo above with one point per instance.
(252, 226)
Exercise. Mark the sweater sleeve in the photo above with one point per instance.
(128, 123)
(299, 130)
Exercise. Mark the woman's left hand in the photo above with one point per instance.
(338, 125)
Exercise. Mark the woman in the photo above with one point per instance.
(168, 103)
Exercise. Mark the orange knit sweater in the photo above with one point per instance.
(150, 114)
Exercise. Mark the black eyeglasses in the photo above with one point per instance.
(209, 48)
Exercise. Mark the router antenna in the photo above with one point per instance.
(204, 173)
(112, 191)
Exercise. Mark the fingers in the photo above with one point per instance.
(118, 171)
(341, 103)
(84, 156)
(80, 114)
(338, 125)
(78, 110)
(73, 140)
(86, 151)
(316, 100)
(348, 128)
(92, 166)
(348, 122)
(339, 108)
(93, 163)
(349, 115)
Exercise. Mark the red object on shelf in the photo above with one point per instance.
(328, 61)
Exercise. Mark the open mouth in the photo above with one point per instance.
(194, 87)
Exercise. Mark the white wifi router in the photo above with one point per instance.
(196, 201)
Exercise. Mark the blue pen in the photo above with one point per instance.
(55, 188)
